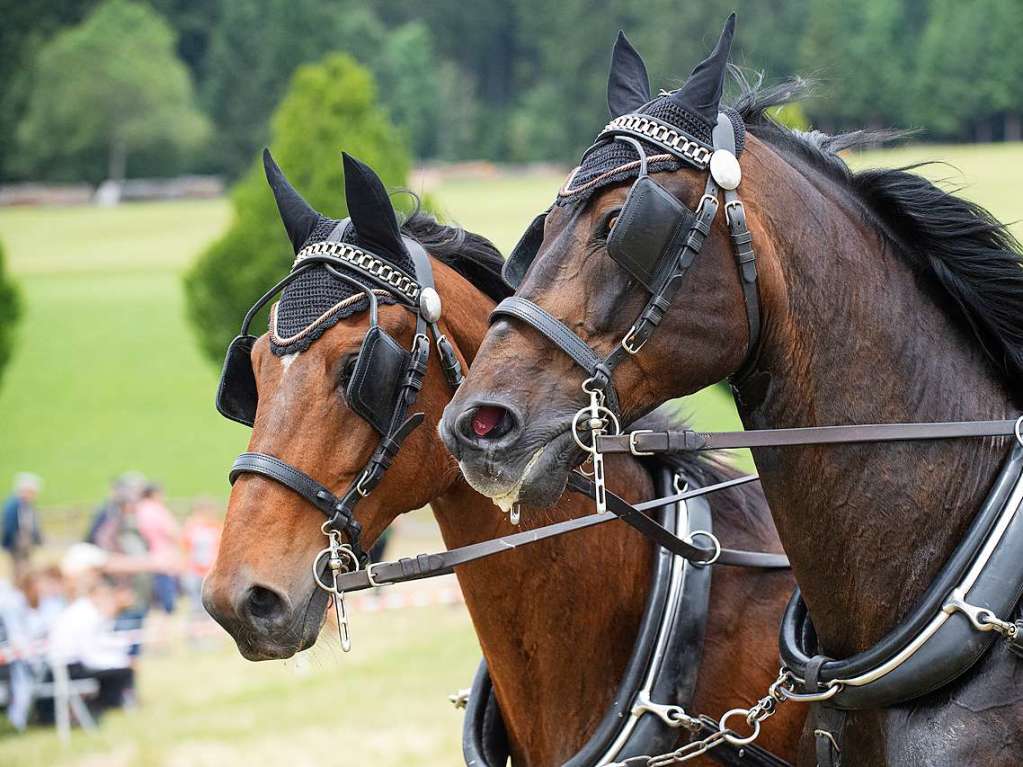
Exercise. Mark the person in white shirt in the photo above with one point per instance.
(82, 636)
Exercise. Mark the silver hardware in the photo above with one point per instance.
(754, 716)
(627, 341)
(597, 419)
(460, 699)
(982, 618)
(337, 553)
(372, 578)
(429, 304)
(829, 736)
(673, 716)
(662, 134)
(515, 513)
(1018, 429)
(713, 539)
(725, 170)
(728, 206)
(632, 442)
(350, 256)
(360, 486)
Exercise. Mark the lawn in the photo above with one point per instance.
(107, 377)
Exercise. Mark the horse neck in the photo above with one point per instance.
(851, 335)
(545, 654)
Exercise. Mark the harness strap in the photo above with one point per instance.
(337, 510)
(649, 442)
(652, 529)
(563, 337)
(444, 562)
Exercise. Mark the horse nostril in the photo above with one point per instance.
(264, 604)
(488, 418)
(486, 423)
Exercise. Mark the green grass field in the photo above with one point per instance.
(107, 377)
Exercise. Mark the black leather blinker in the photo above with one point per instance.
(378, 373)
(524, 253)
(236, 394)
(648, 224)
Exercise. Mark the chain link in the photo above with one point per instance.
(754, 716)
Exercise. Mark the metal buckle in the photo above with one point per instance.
(982, 618)
(627, 341)
(732, 204)
(360, 485)
(372, 579)
(632, 442)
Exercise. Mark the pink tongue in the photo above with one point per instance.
(485, 419)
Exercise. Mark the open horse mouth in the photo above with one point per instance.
(541, 481)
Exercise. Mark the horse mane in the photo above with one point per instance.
(471, 255)
(972, 258)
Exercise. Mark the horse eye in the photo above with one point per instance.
(348, 368)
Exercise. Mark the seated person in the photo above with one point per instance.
(82, 638)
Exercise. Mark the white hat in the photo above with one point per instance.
(27, 481)
(81, 557)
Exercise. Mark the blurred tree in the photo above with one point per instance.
(26, 25)
(254, 50)
(111, 85)
(192, 21)
(10, 311)
(407, 71)
(947, 94)
(329, 107)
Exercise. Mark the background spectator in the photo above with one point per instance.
(162, 535)
(21, 523)
(201, 538)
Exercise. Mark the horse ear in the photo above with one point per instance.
(628, 85)
(370, 209)
(702, 91)
(298, 216)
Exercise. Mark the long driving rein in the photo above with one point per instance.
(657, 239)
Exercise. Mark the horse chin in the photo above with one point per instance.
(544, 482)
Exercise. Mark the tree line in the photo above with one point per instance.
(508, 80)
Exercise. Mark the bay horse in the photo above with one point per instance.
(556, 620)
(882, 298)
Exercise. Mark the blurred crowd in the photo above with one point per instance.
(74, 622)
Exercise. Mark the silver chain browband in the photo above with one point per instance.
(350, 255)
(666, 136)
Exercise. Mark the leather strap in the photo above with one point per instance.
(650, 442)
(652, 529)
(561, 336)
(443, 563)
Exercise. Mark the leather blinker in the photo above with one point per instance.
(378, 373)
(524, 252)
(236, 394)
(649, 222)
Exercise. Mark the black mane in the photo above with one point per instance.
(469, 254)
(973, 258)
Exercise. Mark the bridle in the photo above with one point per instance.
(657, 240)
(382, 364)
